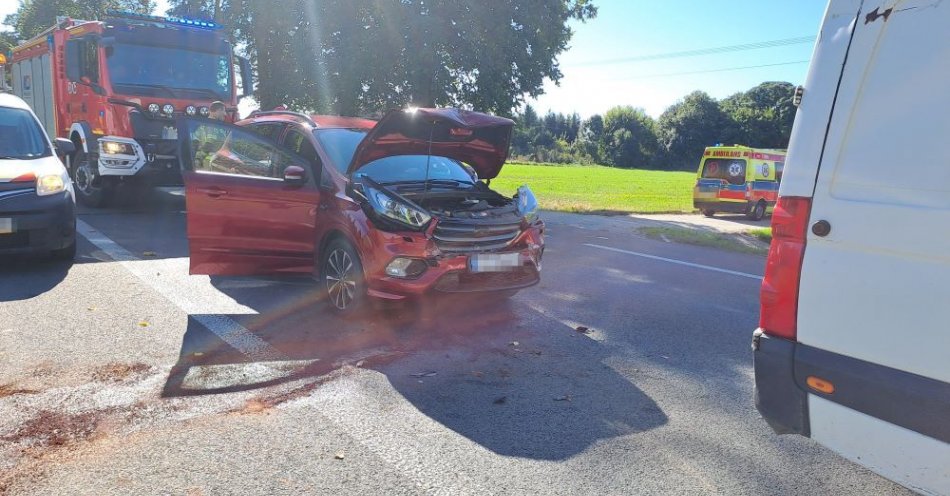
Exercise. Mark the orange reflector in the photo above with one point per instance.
(820, 385)
(29, 177)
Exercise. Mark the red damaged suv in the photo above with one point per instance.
(391, 209)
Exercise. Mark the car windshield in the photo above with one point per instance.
(340, 145)
(22, 135)
(156, 71)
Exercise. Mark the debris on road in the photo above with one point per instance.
(513, 343)
(255, 406)
(143, 323)
(115, 372)
(11, 390)
(339, 455)
(566, 397)
(429, 373)
(501, 400)
(149, 254)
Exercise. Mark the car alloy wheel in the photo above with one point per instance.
(340, 278)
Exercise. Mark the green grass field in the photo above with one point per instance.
(597, 189)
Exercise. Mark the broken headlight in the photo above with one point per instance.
(395, 209)
(527, 203)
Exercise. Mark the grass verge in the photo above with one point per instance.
(599, 189)
(723, 241)
(763, 234)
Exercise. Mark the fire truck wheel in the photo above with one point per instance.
(91, 189)
(757, 212)
(708, 212)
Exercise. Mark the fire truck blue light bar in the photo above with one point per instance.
(198, 23)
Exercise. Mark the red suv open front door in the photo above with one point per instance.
(251, 205)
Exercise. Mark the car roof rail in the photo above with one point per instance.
(306, 118)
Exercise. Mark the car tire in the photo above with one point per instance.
(757, 212)
(709, 212)
(341, 277)
(67, 254)
(91, 189)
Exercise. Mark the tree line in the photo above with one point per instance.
(627, 137)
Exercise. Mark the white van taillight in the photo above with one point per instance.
(779, 296)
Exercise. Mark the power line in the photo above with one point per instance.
(648, 76)
(704, 51)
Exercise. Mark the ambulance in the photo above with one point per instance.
(738, 179)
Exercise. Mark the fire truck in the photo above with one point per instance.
(114, 87)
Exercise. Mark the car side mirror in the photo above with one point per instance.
(295, 175)
(64, 146)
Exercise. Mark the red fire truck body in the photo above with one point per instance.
(115, 87)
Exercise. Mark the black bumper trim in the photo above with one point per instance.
(911, 401)
(728, 207)
(778, 398)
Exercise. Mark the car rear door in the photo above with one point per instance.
(875, 280)
(243, 216)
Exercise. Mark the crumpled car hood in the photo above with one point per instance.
(479, 140)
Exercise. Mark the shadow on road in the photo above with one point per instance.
(149, 223)
(24, 277)
(488, 370)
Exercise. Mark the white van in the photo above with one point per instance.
(853, 347)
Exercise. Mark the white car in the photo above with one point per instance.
(37, 205)
(853, 347)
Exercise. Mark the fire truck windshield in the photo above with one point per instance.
(158, 71)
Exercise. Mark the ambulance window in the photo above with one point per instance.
(730, 170)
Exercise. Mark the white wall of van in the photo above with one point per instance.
(871, 147)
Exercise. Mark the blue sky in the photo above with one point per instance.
(630, 28)
(636, 28)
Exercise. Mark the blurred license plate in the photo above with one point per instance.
(494, 262)
(6, 226)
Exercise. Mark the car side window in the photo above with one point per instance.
(299, 144)
(226, 149)
(270, 130)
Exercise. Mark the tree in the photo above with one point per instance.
(629, 138)
(761, 117)
(687, 127)
(34, 16)
(367, 56)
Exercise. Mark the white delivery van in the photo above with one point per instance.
(853, 347)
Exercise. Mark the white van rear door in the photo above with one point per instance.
(877, 286)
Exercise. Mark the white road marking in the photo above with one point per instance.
(192, 294)
(678, 262)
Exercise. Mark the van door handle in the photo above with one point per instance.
(213, 192)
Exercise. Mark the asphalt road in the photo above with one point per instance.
(121, 374)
